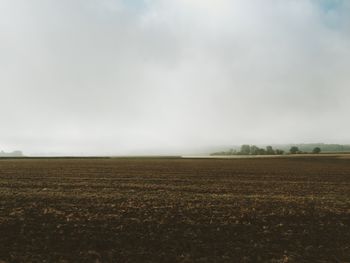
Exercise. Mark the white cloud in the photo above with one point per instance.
(111, 77)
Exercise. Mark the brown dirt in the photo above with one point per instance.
(175, 210)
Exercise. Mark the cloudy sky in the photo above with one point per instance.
(172, 76)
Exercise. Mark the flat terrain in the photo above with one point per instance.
(175, 210)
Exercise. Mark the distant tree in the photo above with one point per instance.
(254, 150)
(294, 150)
(316, 150)
(270, 150)
(279, 152)
(245, 149)
(262, 151)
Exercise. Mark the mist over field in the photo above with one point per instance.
(120, 77)
(174, 131)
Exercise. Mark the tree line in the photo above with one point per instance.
(247, 149)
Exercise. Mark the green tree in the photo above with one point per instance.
(245, 149)
(270, 150)
(254, 150)
(294, 150)
(262, 151)
(316, 150)
(279, 152)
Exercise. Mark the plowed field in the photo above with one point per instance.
(175, 210)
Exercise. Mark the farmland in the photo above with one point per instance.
(175, 210)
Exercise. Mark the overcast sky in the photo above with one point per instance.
(172, 76)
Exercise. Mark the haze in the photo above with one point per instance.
(120, 77)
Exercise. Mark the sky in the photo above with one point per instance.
(120, 77)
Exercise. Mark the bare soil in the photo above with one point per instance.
(175, 210)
